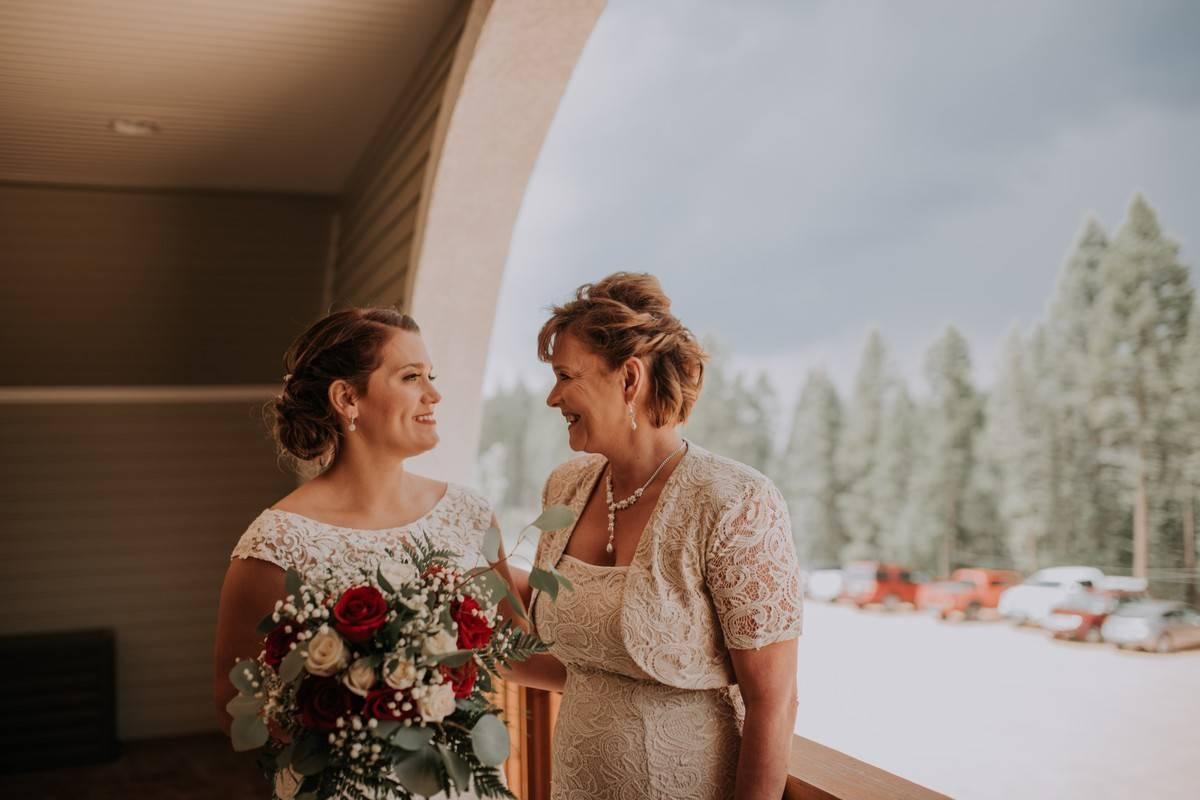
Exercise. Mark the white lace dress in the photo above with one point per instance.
(458, 522)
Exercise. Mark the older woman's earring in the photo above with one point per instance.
(352, 427)
(632, 418)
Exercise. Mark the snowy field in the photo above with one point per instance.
(982, 710)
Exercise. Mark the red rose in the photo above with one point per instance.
(462, 678)
(359, 612)
(473, 628)
(322, 701)
(383, 704)
(279, 643)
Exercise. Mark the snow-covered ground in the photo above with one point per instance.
(983, 710)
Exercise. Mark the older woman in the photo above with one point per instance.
(679, 641)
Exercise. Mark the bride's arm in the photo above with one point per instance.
(249, 593)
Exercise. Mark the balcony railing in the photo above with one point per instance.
(815, 772)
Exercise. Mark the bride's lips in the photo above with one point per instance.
(426, 419)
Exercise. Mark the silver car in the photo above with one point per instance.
(1158, 625)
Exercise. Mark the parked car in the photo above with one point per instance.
(1158, 625)
(824, 584)
(1081, 615)
(968, 592)
(869, 582)
(1036, 598)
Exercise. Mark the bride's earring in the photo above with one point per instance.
(352, 427)
(632, 418)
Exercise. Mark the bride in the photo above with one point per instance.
(360, 398)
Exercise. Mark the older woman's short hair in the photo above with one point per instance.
(627, 315)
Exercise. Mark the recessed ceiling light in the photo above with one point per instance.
(127, 126)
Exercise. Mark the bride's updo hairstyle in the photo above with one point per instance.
(346, 345)
(626, 315)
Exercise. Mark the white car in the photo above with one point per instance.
(1036, 598)
(824, 584)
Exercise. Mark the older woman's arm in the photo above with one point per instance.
(767, 678)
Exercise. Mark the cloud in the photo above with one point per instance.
(796, 173)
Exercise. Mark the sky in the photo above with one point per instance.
(797, 173)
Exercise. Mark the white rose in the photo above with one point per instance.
(402, 676)
(444, 642)
(436, 702)
(287, 783)
(326, 653)
(398, 573)
(360, 678)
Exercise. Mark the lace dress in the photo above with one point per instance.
(621, 734)
(457, 522)
(651, 709)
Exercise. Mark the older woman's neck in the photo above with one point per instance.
(635, 460)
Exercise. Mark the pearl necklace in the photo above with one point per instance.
(621, 505)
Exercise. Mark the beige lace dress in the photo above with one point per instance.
(651, 707)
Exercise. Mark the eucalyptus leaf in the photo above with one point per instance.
(456, 767)
(244, 705)
(384, 729)
(267, 624)
(554, 518)
(248, 733)
(413, 738)
(491, 545)
(493, 583)
(562, 579)
(383, 582)
(284, 758)
(489, 738)
(544, 581)
(292, 582)
(311, 754)
(292, 664)
(420, 772)
(243, 682)
(515, 603)
(456, 658)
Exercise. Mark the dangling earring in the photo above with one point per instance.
(632, 418)
(352, 428)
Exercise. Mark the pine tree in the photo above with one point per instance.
(1139, 328)
(1087, 517)
(952, 419)
(889, 481)
(808, 472)
(857, 452)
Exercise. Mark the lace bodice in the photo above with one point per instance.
(715, 569)
(458, 522)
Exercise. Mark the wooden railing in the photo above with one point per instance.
(815, 772)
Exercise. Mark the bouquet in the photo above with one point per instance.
(375, 684)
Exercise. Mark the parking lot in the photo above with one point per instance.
(984, 710)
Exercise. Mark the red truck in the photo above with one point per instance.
(968, 592)
(869, 582)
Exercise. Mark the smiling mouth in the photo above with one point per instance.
(571, 420)
(426, 419)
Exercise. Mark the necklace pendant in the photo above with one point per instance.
(608, 548)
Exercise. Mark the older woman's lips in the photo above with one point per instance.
(426, 419)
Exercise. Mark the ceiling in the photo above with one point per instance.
(275, 95)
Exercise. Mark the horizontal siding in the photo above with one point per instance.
(382, 199)
(123, 517)
(139, 288)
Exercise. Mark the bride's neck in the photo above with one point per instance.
(366, 483)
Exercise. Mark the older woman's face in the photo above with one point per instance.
(590, 396)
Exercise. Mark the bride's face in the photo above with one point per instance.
(589, 395)
(397, 412)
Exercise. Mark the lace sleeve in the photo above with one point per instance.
(269, 539)
(752, 572)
